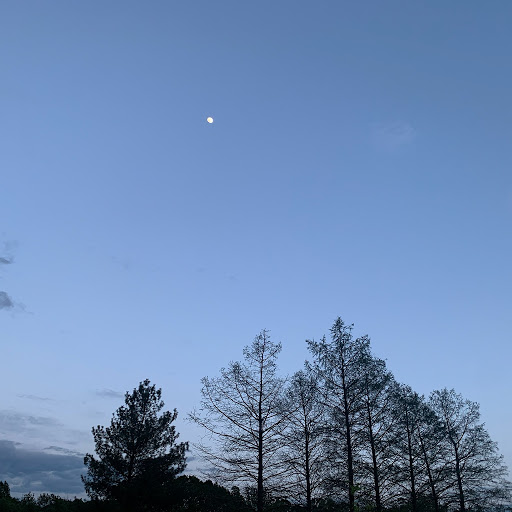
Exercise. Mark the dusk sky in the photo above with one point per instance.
(359, 165)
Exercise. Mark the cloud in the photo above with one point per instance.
(7, 249)
(39, 431)
(11, 421)
(64, 451)
(5, 301)
(391, 136)
(109, 393)
(38, 472)
(35, 397)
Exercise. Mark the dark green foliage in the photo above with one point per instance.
(7, 504)
(4, 490)
(189, 494)
(137, 455)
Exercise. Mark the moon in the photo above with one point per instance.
(209, 120)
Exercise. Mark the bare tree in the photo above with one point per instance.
(431, 441)
(338, 365)
(304, 454)
(477, 471)
(409, 469)
(377, 421)
(242, 413)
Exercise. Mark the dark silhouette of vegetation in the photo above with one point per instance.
(137, 455)
(304, 453)
(338, 365)
(243, 409)
(340, 436)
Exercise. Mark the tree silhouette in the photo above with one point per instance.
(137, 455)
(304, 454)
(478, 473)
(338, 364)
(242, 410)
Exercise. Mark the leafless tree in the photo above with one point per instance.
(304, 454)
(242, 411)
(409, 471)
(338, 366)
(377, 421)
(477, 472)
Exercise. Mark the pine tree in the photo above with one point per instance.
(137, 455)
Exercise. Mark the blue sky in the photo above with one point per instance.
(358, 166)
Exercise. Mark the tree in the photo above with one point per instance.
(137, 455)
(242, 412)
(5, 491)
(376, 418)
(477, 475)
(408, 471)
(338, 365)
(304, 453)
(434, 451)
(193, 495)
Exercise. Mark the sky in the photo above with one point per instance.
(358, 165)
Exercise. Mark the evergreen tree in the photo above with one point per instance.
(137, 455)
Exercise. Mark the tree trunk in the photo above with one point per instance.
(429, 471)
(350, 461)
(374, 461)
(411, 464)
(260, 445)
(459, 480)
(308, 475)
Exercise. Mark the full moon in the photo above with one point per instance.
(210, 119)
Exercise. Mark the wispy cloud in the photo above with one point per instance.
(393, 135)
(109, 393)
(35, 397)
(63, 451)
(5, 301)
(6, 249)
(38, 431)
(23, 423)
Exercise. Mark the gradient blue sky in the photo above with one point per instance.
(359, 166)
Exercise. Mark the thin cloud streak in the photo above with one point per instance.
(109, 393)
(35, 397)
(391, 136)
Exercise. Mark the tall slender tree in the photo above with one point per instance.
(408, 471)
(242, 410)
(434, 452)
(338, 365)
(478, 473)
(377, 421)
(304, 455)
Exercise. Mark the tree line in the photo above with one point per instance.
(343, 429)
(341, 434)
